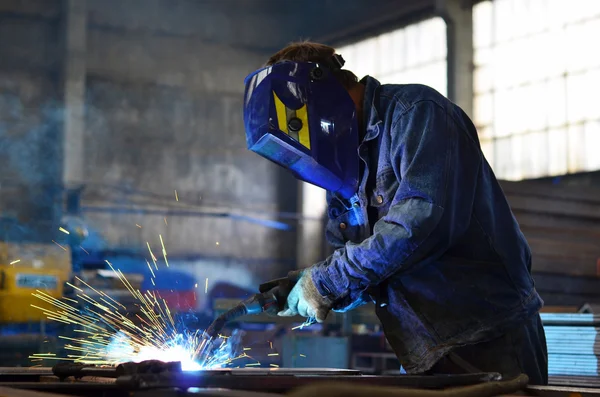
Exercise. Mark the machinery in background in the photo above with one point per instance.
(25, 268)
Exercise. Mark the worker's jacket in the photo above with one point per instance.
(442, 255)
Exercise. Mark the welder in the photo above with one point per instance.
(419, 223)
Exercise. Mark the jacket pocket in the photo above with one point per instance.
(343, 228)
(384, 192)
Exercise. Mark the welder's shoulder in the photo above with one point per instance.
(404, 97)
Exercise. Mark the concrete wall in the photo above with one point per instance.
(30, 117)
(164, 113)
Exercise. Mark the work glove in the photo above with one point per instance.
(305, 300)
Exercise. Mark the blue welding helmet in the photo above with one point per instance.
(299, 116)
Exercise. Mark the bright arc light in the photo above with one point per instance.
(104, 333)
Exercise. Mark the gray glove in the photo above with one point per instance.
(306, 301)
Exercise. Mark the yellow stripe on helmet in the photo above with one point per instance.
(284, 114)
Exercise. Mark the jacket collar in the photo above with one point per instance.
(370, 113)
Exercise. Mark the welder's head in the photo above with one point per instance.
(298, 113)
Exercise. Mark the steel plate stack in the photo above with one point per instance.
(573, 341)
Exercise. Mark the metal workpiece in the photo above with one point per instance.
(147, 380)
(282, 381)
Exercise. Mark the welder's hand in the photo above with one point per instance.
(306, 301)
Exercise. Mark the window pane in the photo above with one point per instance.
(541, 65)
(576, 148)
(483, 110)
(555, 102)
(518, 168)
(412, 46)
(437, 33)
(482, 24)
(557, 142)
(487, 147)
(503, 157)
(503, 20)
(504, 109)
(576, 97)
(482, 79)
(414, 54)
(386, 49)
(398, 56)
(536, 153)
(553, 51)
(537, 112)
(592, 145)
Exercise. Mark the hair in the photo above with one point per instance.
(306, 51)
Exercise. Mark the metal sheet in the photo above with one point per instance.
(276, 382)
(279, 372)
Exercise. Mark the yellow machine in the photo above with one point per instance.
(25, 268)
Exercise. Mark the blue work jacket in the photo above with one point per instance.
(442, 256)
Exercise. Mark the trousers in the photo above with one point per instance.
(521, 350)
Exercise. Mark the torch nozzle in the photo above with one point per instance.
(205, 350)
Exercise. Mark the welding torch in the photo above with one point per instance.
(270, 300)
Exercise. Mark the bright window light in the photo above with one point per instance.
(536, 72)
(413, 54)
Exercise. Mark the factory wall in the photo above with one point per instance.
(30, 118)
(163, 113)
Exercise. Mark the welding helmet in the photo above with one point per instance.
(298, 115)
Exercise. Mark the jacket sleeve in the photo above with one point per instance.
(437, 164)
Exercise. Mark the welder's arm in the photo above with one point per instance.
(437, 164)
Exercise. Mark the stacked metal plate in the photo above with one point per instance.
(573, 341)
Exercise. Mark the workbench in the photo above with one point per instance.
(259, 382)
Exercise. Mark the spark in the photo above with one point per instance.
(152, 255)
(302, 355)
(150, 267)
(274, 365)
(206, 286)
(196, 285)
(164, 251)
(59, 245)
(247, 348)
(252, 364)
(64, 230)
(165, 218)
(138, 225)
(217, 243)
(104, 334)
(15, 261)
(74, 287)
(84, 250)
(271, 344)
(309, 321)
(176, 196)
(272, 354)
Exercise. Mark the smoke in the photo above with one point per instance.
(31, 162)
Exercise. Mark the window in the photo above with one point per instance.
(536, 71)
(413, 54)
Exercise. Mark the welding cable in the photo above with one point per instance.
(215, 328)
(350, 389)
